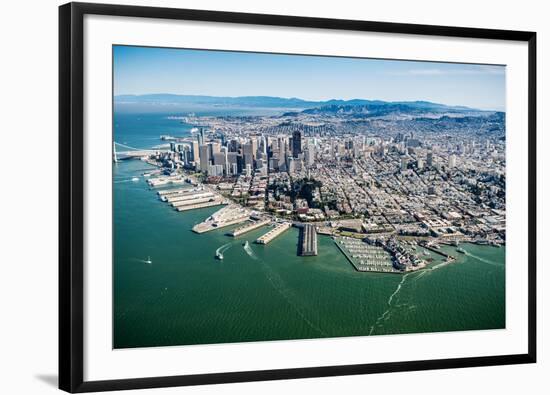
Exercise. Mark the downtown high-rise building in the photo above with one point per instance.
(248, 154)
(195, 151)
(296, 143)
(430, 159)
(254, 144)
(264, 146)
(204, 155)
(310, 154)
(452, 161)
(214, 148)
(200, 137)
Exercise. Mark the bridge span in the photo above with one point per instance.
(132, 152)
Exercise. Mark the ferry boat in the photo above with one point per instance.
(460, 250)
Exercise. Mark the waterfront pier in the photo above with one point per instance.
(191, 202)
(230, 215)
(163, 181)
(273, 233)
(439, 252)
(307, 243)
(194, 206)
(172, 192)
(249, 227)
(181, 200)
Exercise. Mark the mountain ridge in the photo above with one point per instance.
(274, 101)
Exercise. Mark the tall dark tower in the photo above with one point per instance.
(296, 143)
(200, 136)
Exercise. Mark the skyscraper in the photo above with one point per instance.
(296, 143)
(200, 136)
(452, 161)
(254, 146)
(204, 154)
(232, 162)
(310, 154)
(404, 163)
(195, 151)
(214, 149)
(219, 158)
(264, 146)
(248, 154)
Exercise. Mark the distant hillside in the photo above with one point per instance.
(244, 101)
(353, 106)
(381, 109)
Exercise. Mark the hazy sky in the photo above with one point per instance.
(139, 70)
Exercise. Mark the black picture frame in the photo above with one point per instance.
(71, 204)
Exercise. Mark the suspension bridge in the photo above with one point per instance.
(131, 152)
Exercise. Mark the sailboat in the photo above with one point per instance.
(149, 261)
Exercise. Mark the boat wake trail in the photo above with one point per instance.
(484, 260)
(385, 315)
(223, 248)
(249, 251)
(440, 265)
(290, 296)
(140, 260)
(427, 271)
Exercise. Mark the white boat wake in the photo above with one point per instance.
(249, 251)
(427, 271)
(385, 315)
(290, 296)
(223, 248)
(484, 260)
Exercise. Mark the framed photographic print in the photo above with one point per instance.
(257, 197)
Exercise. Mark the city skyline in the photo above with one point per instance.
(316, 78)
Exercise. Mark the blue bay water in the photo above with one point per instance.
(261, 293)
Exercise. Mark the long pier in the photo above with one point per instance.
(194, 201)
(170, 192)
(249, 227)
(201, 205)
(308, 241)
(189, 196)
(273, 233)
(449, 257)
